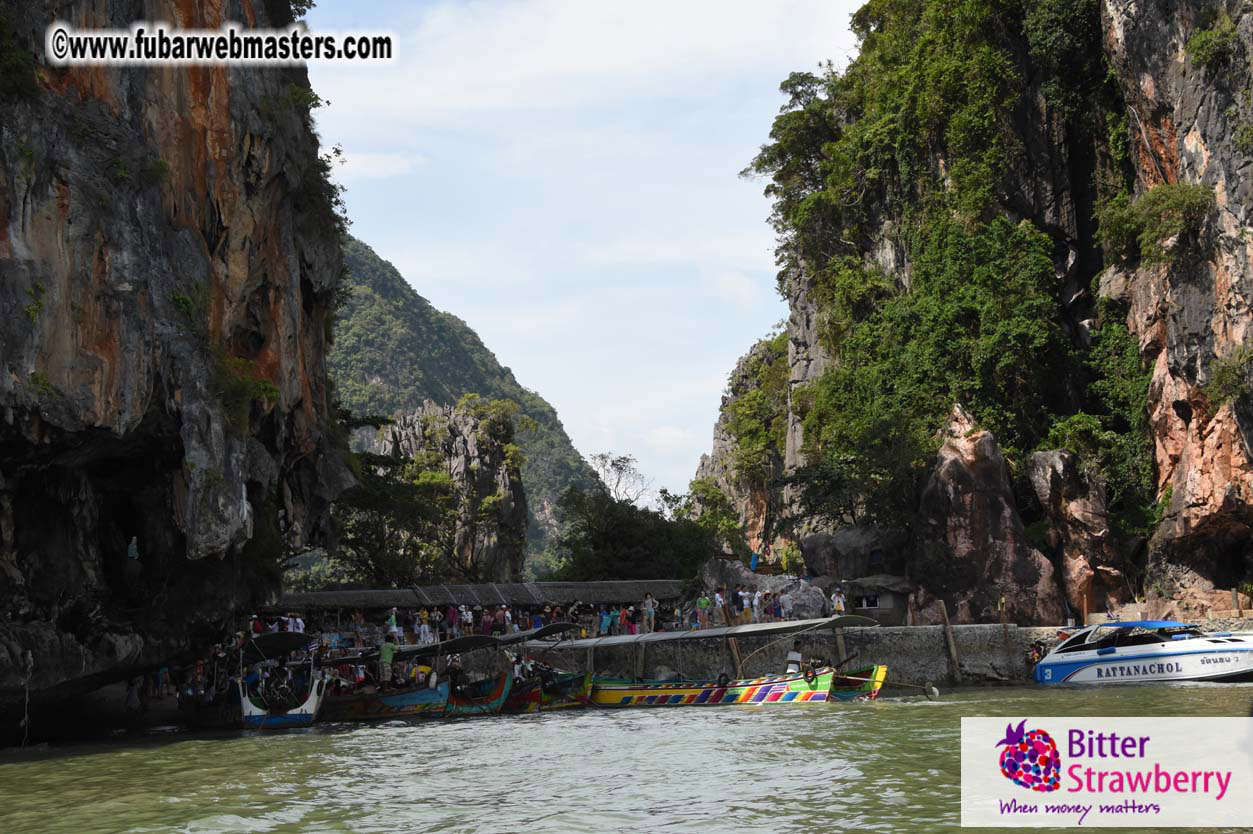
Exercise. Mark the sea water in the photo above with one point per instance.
(890, 765)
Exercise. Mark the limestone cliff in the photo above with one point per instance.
(394, 350)
(1091, 102)
(1191, 124)
(477, 453)
(168, 261)
(749, 478)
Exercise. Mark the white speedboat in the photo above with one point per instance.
(1148, 650)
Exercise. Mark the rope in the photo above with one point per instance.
(789, 636)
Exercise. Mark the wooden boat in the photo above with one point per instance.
(428, 699)
(266, 717)
(422, 701)
(565, 690)
(485, 697)
(858, 684)
(443, 698)
(797, 687)
(285, 698)
(818, 683)
(549, 689)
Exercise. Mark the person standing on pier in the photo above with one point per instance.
(837, 601)
(650, 613)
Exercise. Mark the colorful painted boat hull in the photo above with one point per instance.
(258, 718)
(570, 690)
(486, 698)
(420, 702)
(773, 689)
(858, 684)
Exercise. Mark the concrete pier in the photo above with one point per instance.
(988, 654)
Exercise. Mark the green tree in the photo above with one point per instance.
(605, 538)
(393, 526)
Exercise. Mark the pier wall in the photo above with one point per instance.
(987, 654)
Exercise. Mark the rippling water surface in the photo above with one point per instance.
(886, 766)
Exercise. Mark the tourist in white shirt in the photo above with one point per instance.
(757, 606)
(746, 605)
(837, 601)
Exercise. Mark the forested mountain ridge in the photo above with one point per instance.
(394, 350)
(1014, 240)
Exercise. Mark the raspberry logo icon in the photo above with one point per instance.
(1030, 758)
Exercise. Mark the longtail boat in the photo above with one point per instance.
(425, 699)
(289, 695)
(432, 697)
(545, 688)
(562, 690)
(485, 697)
(796, 687)
(273, 716)
(858, 684)
(422, 701)
(817, 682)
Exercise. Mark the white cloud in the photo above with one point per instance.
(670, 438)
(454, 61)
(736, 286)
(364, 165)
(580, 208)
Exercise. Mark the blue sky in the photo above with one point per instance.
(562, 174)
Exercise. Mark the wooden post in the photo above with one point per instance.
(840, 651)
(951, 644)
(734, 646)
(1083, 615)
(1235, 602)
(1004, 619)
(639, 661)
(590, 661)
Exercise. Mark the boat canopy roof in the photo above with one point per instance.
(550, 630)
(274, 644)
(468, 643)
(753, 630)
(1151, 625)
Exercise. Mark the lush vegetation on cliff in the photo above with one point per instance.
(918, 146)
(393, 350)
(409, 520)
(756, 413)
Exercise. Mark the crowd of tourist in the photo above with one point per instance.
(333, 638)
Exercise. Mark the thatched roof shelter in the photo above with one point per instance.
(524, 594)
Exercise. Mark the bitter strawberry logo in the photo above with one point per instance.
(1030, 758)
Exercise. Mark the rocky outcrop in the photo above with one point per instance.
(1188, 119)
(1094, 572)
(975, 547)
(490, 532)
(167, 269)
(807, 359)
(1186, 122)
(755, 500)
(854, 551)
(808, 600)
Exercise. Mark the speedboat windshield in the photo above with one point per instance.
(1127, 634)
